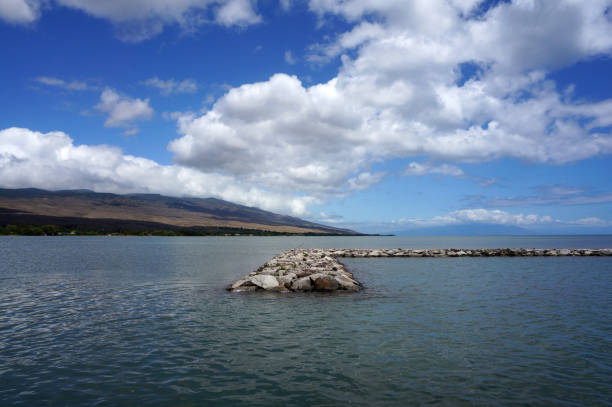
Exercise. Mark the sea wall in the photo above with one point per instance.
(320, 269)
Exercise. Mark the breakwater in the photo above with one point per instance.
(320, 269)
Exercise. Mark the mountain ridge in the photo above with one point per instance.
(175, 212)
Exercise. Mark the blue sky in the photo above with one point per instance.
(381, 116)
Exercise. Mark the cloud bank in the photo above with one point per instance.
(449, 81)
(407, 92)
(52, 161)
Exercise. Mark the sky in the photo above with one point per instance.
(378, 115)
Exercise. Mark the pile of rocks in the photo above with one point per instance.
(299, 270)
(507, 252)
(320, 270)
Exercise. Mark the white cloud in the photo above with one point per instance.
(131, 132)
(484, 216)
(475, 217)
(400, 96)
(167, 87)
(274, 133)
(138, 20)
(359, 35)
(60, 83)
(325, 218)
(122, 110)
(399, 92)
(19, 11)
(289, 58)
(237, 12)
(53, 161)
(415, 168)
(365, 180)
(591, 221)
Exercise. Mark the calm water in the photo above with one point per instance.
(145, 321)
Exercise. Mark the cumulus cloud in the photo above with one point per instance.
(61, 83)
(170, 86)
(52, 161)
(138, 20)
(122, 110)
(403, 94)
(237, 12)
(19, 11)
(415, 168)
(400, 91)
(365, 180)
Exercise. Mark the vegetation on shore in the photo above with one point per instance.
(79, 230)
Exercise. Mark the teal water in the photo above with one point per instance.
(146, 321)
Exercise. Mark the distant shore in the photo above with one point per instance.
(119, 230)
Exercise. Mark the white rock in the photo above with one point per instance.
(264, 281)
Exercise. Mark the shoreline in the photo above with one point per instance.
(303, 270)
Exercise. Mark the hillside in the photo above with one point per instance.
(137, 212)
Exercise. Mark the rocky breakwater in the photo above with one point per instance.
(506, 252)
(320, 270)
(300, 270)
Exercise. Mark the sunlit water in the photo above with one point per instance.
(146, 321)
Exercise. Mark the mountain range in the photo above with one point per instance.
(86, 210)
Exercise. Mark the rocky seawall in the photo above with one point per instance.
(320, 269)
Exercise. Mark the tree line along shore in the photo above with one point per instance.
(79, 230)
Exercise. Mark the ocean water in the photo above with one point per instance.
(145, 321)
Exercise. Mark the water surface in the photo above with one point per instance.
(146, 321)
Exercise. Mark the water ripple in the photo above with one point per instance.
(425, 332)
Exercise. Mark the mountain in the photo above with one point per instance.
(106, 212)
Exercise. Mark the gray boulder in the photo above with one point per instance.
(302, 284)
(346, 283)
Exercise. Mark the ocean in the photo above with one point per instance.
(146, 321)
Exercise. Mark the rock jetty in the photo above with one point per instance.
(320, 269)
(300, 270)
